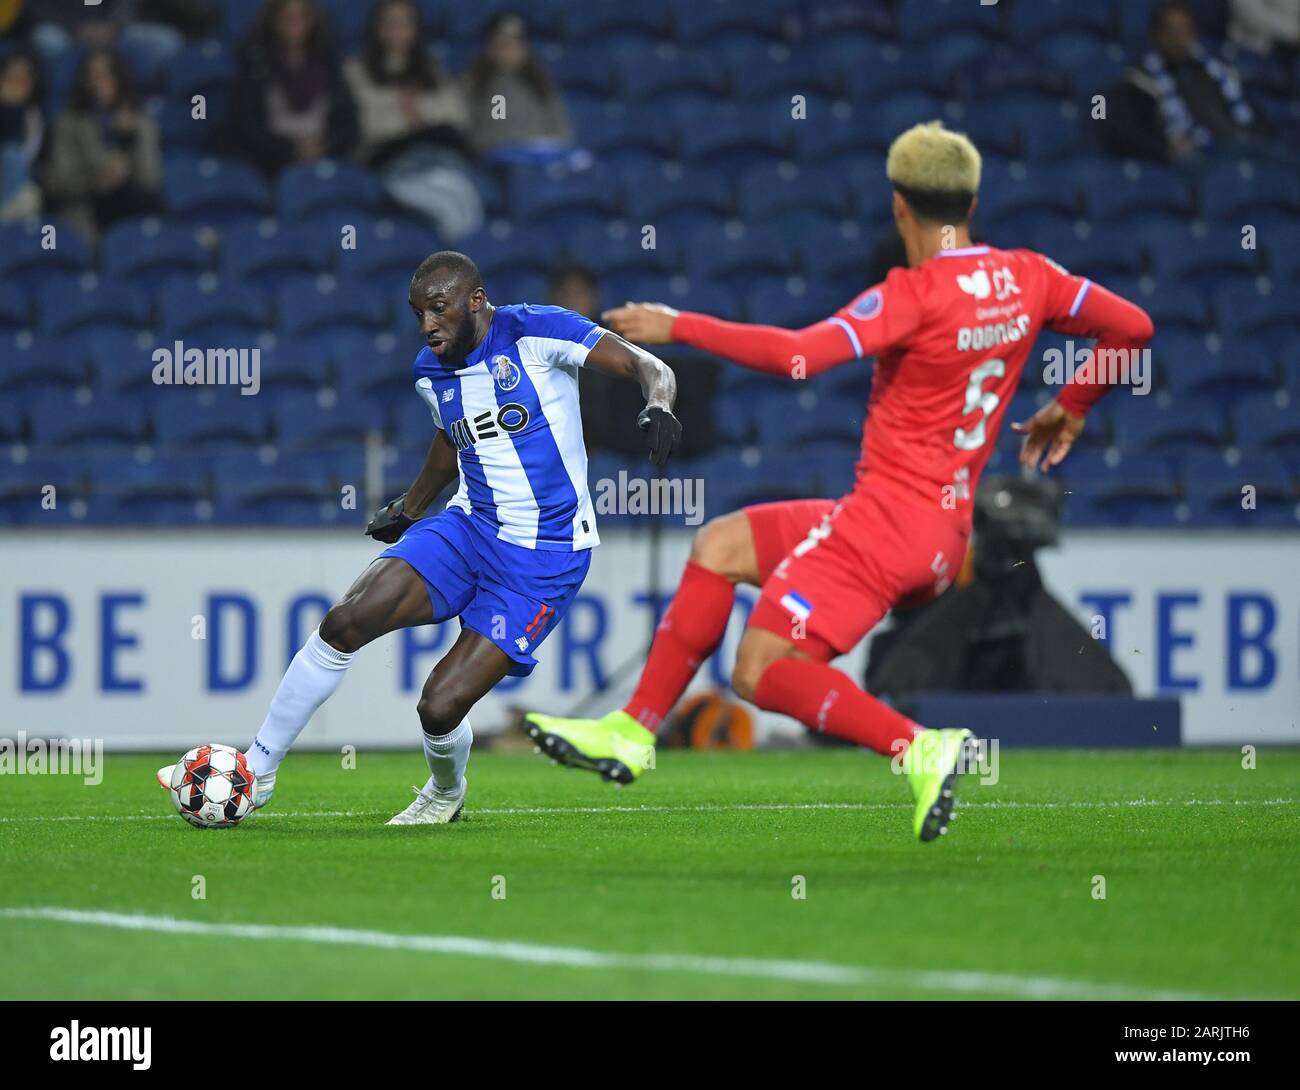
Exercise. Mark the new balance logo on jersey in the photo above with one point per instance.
(448, 394)
(507, 420)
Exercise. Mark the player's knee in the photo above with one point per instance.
(719, 546)
(343, 628)
(745, 675)
(441, 710)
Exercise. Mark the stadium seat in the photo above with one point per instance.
(189, 418)
(1265, 424)
(29, 364)
(1255, 491)
(738, 259)
(91, 305)
(317, 189)
(537, 194)
(1176, 308)
(1127, 192)
(1245, 314)
(1236, 191)
(213, 190)
(60, 419)
(1205, 258)
(1009, 190)
(767, 192)
(23, 484)
(148, 252)
(32, 254)
(319, 419)
(320, 308)
(202, 307)
(1188, 425)
(610, 250)
(268, 252)
(15, 309)
(921, 20)
(1031, 20)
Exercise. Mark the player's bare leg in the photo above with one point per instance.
(778, 675)
(620, 746)
(387, 596)
(462, 677)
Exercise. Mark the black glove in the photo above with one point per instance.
(390, 522)
(662, 429)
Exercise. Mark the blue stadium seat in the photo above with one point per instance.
(775, 305)
(1187, 362)
(122, 360)
(1244, 313)
(1188, 425)
(704, 21)
(1031, 20)
(1130, 192)
(647, 77)
(1265, 424)
(758, 134)
(609, 254)
(15, 308)
(148, 252)
(1176, 308)
(32, 255)
(1008, 191)
(1217, 491)
(180, 130)
(331, 185)
(202, 67)
(200, 308)
(213, 190)
(165, 488)
(762, 71)
(1137, 490)
(531, 248)
(1091, 61)
(767, 192)
(28, 364)
(190, 418)
(1235, 191)
(306, 310)
(537, 195)
(22, 485)
(307, 420)
(921, 20)
(651, 197)
(739, 260)
(266, 253)
(60, 419)
(1106, 254)
(1206, 258)
(91, 305)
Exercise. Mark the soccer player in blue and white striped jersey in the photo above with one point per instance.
(510, 550)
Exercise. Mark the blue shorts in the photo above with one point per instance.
(508, 594)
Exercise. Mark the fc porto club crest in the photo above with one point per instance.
(505, 372)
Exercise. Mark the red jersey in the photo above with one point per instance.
(951, 337)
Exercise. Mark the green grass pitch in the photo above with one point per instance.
(680, 886)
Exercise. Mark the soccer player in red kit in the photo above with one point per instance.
(951, 334)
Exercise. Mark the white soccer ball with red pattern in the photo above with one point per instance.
(212, 787)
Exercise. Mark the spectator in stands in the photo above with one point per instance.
(1187, 97)
(414, 121)
(1267, 27)
(22, 135)
(515, 103)
(105, 160)
(289, 102)
(151, 32)
(575, 288)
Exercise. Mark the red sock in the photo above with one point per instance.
(826, 700)
(690, 630)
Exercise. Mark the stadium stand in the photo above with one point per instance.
(685, 109)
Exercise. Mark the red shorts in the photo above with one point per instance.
(831, 569)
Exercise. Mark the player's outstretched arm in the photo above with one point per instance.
(393, 519)
(791, 353)
(613, 355)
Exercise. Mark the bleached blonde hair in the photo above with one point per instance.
(931, 159)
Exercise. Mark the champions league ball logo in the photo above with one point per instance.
(505, 372)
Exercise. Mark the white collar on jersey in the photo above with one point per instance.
(963, 252)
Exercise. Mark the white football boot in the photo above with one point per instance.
(263, 786)
(433, 806)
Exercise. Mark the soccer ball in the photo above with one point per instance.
(212, 787)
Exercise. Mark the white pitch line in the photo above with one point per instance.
(963, 982)
(709, 808)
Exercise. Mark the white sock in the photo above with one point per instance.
(313, 675)
(448, 754)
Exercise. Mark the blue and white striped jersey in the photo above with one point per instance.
(511, 410)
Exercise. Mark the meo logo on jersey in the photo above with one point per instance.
(505, 373)
(488, 425)
(869, 305)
